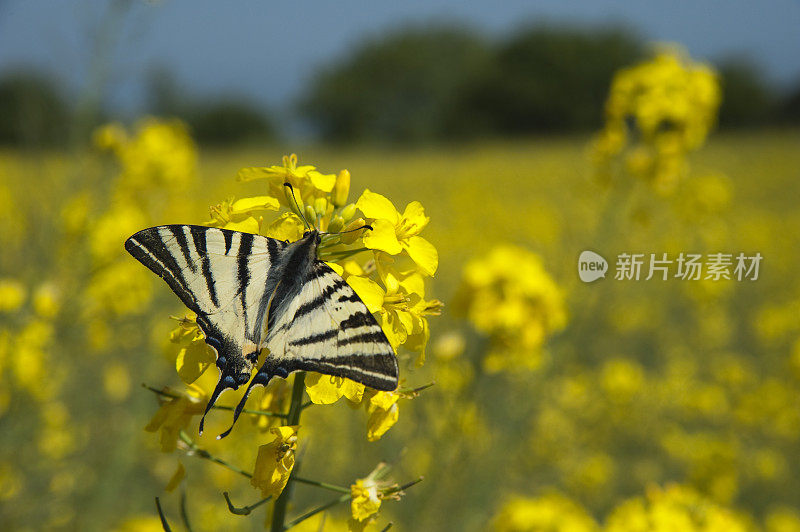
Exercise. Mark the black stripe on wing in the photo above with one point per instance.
(376, 370)
(149, 248)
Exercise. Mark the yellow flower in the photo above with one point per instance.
(401, 305)
(393, 232)
(194, 355)
(366, 499)
(237, 215)
(275, 461)
(306, 180)
(326, 389)
(12, 295)
(509, 296)
(671, 104)
(673, 508)
(175, 415)
(551, 513)
(47, 300)
(383, 414)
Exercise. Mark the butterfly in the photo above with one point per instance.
(251, 292)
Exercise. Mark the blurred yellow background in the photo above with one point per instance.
(556, 405)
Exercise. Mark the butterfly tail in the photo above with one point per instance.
(262, 378)
(225, 383)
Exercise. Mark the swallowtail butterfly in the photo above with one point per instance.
(251, 292)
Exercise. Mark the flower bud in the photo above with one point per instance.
(353, 235)
(321, 206)
(311, 216)
(348, 212)
(336, 224)
(341, 189)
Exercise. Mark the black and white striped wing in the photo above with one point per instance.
(327, 328)
(221, 275)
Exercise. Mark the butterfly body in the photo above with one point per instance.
(251, 292)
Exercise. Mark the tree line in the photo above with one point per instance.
(420, 84)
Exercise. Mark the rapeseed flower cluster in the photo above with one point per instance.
(658, 112)
(386, 265)
(674, 507)
(509, 297)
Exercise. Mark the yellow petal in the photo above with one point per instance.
(248, 225)
(323, 389)
(407, 320)
(323, 182)
(393, 329)
(193, 360)
(374, 205)
(179, 474)
(287, 227)
(380, 421)
(382, 237)
(415, 215)
(414, 284)
(252, 173)
(423, 253)
(365, 500)
(369, 292)
(275, 461)
(383, 400)
(256, 203)
(336, 267)
(354, 391)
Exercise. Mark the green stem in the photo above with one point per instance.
(293, 418)
(244, 510)
(315, 511)
(217, 407)
(164, 522)
(184, 513)
(325, 485)
(202, 453)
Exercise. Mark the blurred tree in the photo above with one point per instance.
(226, 121)
(165, 96)
(789, 110)
(32, 111)
(398, 88)
(547, 79)
(746, 98)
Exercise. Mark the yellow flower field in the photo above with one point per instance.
(528, 400)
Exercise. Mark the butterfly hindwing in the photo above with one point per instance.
(327, 328)
(221, 275)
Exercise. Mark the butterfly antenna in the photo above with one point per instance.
(297, 205)
(365, 226)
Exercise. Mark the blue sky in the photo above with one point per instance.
(267, 50)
